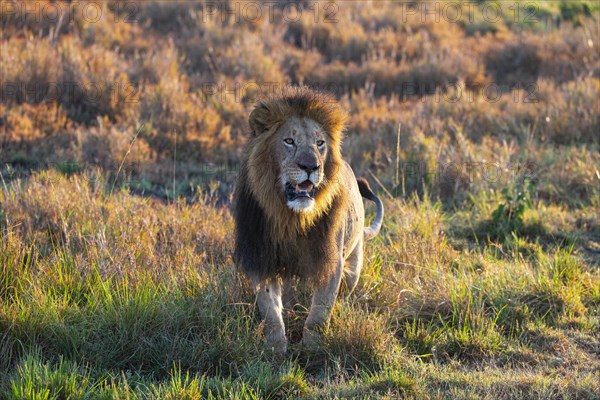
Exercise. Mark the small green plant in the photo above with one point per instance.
(508, 217)
(572, 10)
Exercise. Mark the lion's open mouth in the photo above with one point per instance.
(305, 189)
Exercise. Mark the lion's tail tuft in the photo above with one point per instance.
(367, 193)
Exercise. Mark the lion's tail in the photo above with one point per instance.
(367, 193)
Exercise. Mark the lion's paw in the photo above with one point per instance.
(311, 338)
(278, 346)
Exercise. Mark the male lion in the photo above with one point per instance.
(298, 208)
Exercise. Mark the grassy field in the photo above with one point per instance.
(121, 126)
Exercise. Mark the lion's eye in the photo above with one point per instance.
(289, 141)
(320, 143)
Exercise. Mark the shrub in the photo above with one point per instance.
(509, 215)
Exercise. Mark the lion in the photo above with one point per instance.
(298, 208)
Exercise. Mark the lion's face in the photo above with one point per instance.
(293, 159)
(300, 150)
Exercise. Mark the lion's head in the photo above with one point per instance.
(294, 155)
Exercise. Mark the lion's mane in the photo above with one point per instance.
(270, 238)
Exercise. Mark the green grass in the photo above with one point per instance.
(110, 295)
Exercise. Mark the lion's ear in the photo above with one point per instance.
(259, 119)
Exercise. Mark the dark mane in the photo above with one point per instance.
(271, 239)
(261, 256)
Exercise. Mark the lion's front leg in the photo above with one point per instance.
(268, 297)
(322, 304)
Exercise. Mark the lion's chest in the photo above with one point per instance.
(306, 255)
(306, 250)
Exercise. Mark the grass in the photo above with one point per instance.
(116, 275)
(111, 294)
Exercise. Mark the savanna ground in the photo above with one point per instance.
(121, 126)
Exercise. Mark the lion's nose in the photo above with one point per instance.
(309, 168)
